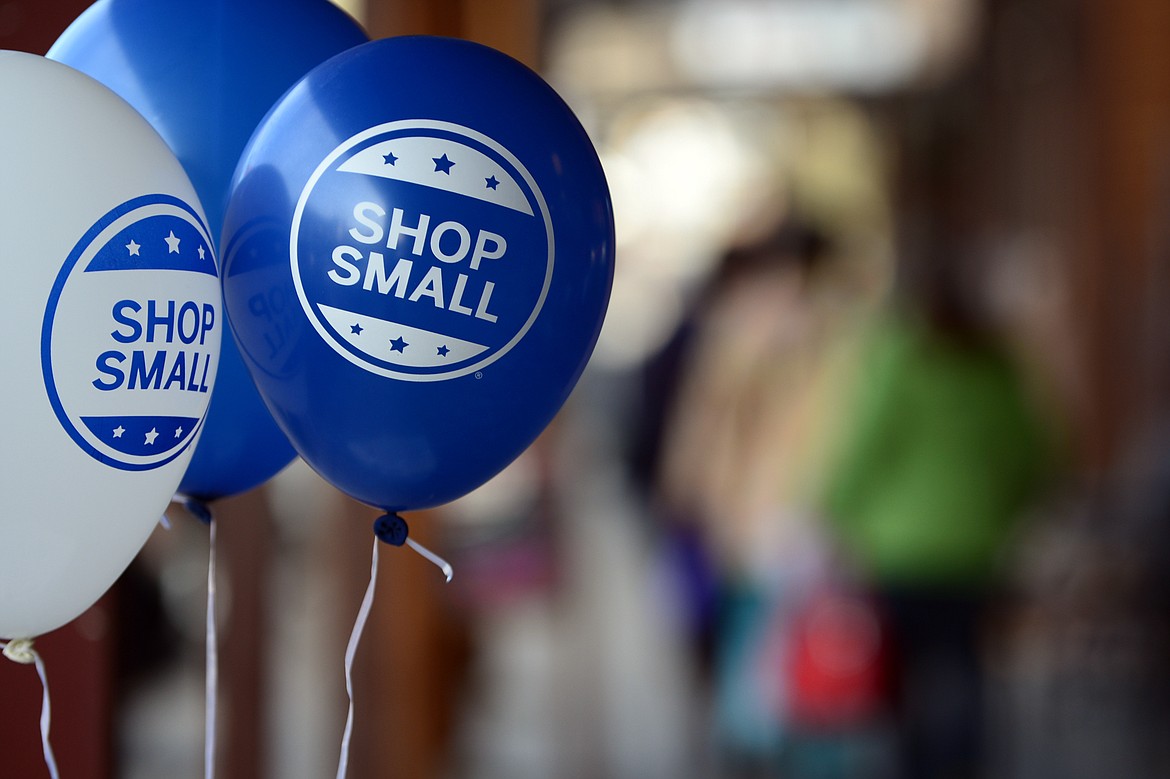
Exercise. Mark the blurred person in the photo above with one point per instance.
(943, 453)
(739, 465)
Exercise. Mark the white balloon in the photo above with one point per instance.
(110, 323)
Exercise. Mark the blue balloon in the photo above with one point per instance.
(204, 72)
(418, 259)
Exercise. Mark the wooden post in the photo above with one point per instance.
(1125, 279)
(245, 548)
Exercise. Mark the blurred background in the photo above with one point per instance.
(869, 475)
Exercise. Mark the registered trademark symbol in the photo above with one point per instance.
(479, 374)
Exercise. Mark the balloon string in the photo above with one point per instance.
(212, 660)
(202, 512)
(351, 650)
(21, 651)
(392, 529)
(444, 566)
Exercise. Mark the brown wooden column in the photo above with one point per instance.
(1124, 281)
(244, 552)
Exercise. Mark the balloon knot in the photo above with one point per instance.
(391, 529)
(20, 650)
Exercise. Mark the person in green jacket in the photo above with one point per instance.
(944, 452)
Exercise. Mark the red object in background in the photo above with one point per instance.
(79, 663)
(837, 661)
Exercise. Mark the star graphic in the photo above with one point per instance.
(179, 432)
(442, 164)
(492, 182)
(202, 254)
(133, 248)
(153, 434)
(172, 243)
(118, 431)
(390, 159)
(443, 350)
(398, 345)
(355, 329)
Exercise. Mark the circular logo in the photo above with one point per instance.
(421, 250)
(131, 334)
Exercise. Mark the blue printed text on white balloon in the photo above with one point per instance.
(165, 322)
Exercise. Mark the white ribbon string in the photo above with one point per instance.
(20, 650)
(212, 662)
(351, 650)
(444, 566)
